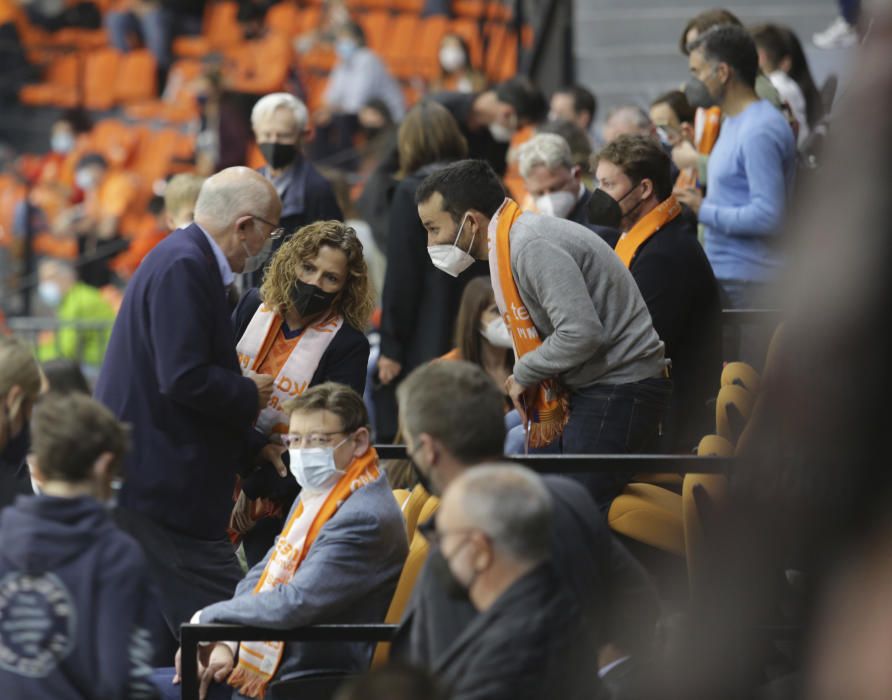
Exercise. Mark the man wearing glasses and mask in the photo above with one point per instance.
(337, 559)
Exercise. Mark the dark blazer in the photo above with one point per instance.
(682, 295)
(607, 583)
(419, 302)
(172, 373)
(345, 361)
(526, 646)
(481, 144)
(579, 213)
(307, 198)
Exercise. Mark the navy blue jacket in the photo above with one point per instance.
(172, 373)
(73, 593)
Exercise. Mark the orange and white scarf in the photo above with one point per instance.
(296, 374)
(706, 132)
(259, 661)
(550, 411)
(646, 227)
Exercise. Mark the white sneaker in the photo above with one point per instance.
(839, 35)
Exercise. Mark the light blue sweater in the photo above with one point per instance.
(751, 173)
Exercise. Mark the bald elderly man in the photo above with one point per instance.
(171, 372)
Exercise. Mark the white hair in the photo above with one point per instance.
(631, 115)
(232, 193)
(511, 505)
(550, 150)
(268, 104)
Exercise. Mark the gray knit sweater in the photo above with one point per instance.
(585, 304)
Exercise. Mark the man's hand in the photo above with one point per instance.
(240, 520)
(521, 396)
(684, 155)
(217, 669)
(272, 453)
(691, 196)
(264, 383)
(388, 369)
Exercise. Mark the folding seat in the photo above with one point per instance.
(177, 105)
(469, 30)
(412, 6)
(60, 85)
(136, 77)
(115, 140)
(100, 71)
(427, 48)
(220, 30)
(474, 9)
(500, 62)
(398, 52)
(733, 407)
(741, 374)
(283, 17)
(376, 26)
(418, 551)
(262, 66)
(412, 508)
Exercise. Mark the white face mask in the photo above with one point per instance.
(450, 258)
(500, 132)
(50, 293)
(314, 467)
(496, 332)
(452, 58)
(84, 180)
(62, 142)
(255, 262)
(557, 204)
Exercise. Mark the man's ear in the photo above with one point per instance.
(647, 188)
(34, 468)
(169, 222)
(103, 467)
(363, 441)
(723, 71)
(427, 446)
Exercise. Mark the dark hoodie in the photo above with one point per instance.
(73, 591)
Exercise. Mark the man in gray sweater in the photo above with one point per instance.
(598, 341)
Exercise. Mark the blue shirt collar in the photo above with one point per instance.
(225, 269)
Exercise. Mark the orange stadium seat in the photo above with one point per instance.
(475, 9)
(399, 49)
(413, 6)
(136, 77)
(469, 30)
(115, 140)
(500, 62)
(376, 26)
(60, 86)
(308, 19)
(100, 72)
(428, 45)
(261, 66)
(220, 30)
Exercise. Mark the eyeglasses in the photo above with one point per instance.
(313, 440)
(429, 531)
(277, 232)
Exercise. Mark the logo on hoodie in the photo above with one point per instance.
(36, 623)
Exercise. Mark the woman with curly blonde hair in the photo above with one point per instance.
(304, 326)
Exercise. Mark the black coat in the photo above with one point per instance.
(605, 581)
(682, 296)
(419, 302)
(525, 647)
(481, 144)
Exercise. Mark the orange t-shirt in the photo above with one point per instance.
(278, 354)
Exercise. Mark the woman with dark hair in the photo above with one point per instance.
(304, 326)
(419, 303)
(782, 59)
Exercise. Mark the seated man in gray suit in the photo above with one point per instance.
(337, 559)
(494, 532)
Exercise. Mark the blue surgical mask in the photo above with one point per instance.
(314, 467)
(62, 142)
(345, 48)
(50, 293)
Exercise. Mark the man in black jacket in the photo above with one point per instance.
(659, 246)
(489, 119)
(280, 122)
(452, 418)
(528, 639)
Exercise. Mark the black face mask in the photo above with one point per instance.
(16, 447)
(451, 585)
(278, 155)
(309, 300)
(420, 476)
(604, 210)
(698, 94)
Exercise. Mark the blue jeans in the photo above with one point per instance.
(613, 419)
(849, 9)
(155, 28)
(746, 343)
(163, 679)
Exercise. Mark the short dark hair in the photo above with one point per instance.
(464, 185)
(64, 376)
(355, 30)
(526, 99)
(457, 403)
(678, 103)
(640, 157)
(70, 432)
(733, 46)
(705, 21)
(584, 99)
(336, 398)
